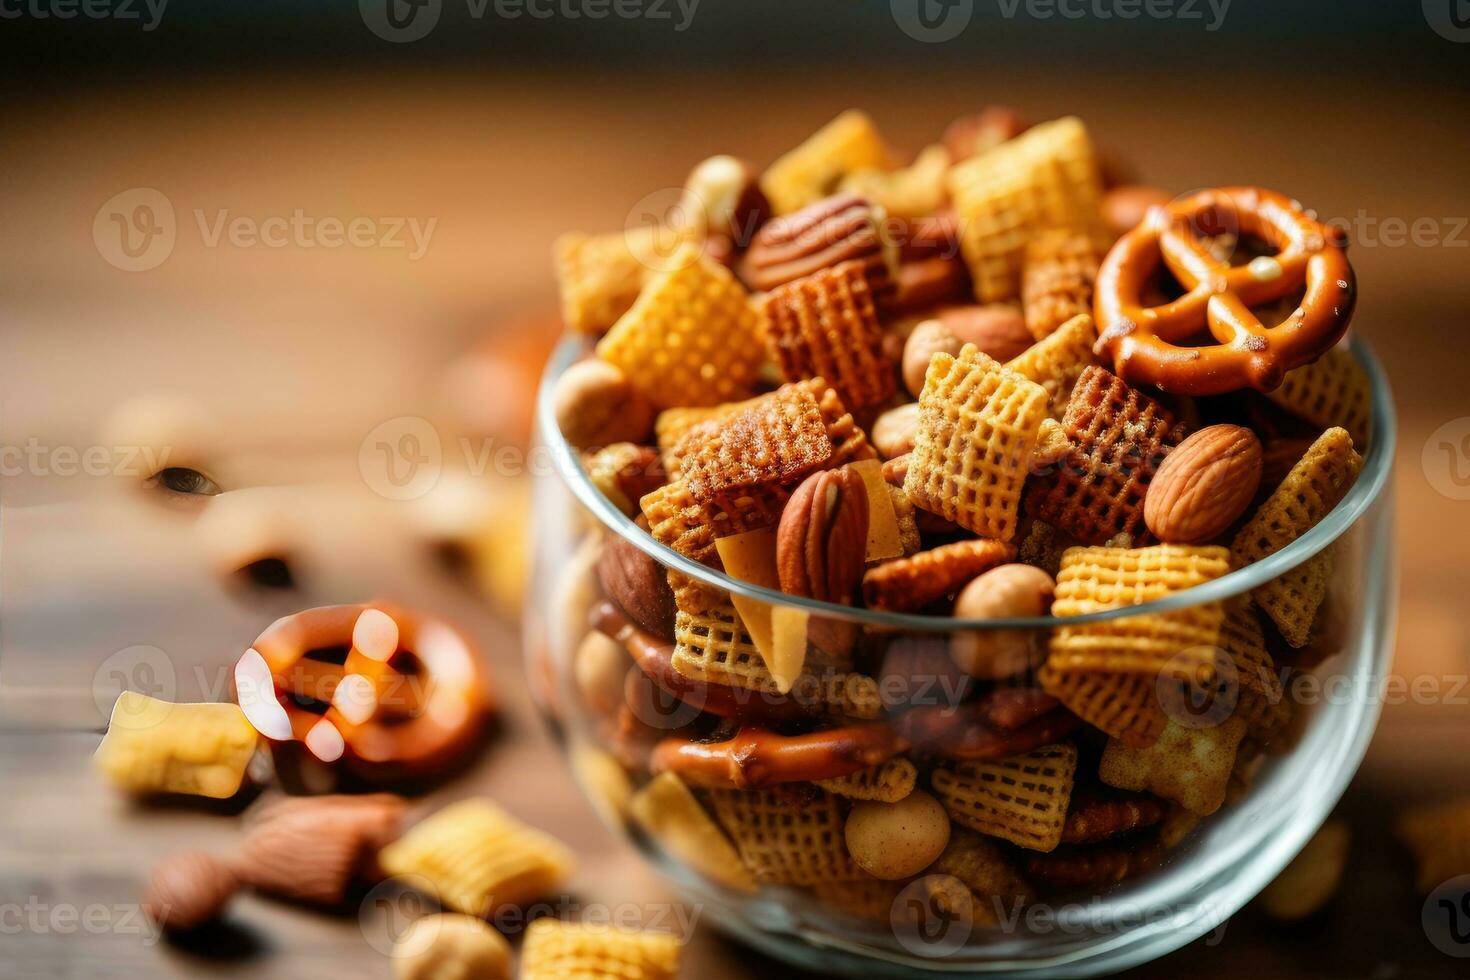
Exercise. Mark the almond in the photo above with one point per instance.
(998, 329)
(1204, 485)
(822, 541)
(638, 584)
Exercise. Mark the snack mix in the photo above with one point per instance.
(986, 385)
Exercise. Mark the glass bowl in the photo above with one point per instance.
(609, 715)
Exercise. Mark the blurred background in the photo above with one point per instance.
(335, 235)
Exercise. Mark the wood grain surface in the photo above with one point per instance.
(300, 352)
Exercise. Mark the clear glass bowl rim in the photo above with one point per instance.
(1377, 465)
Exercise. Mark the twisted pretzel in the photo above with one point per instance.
(387, 692)
(1143, 340)
(755, 757)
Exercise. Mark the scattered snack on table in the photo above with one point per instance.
(188, 889)
(556, 950)
(995, 384)
(449, 946)
(1311, 879)
(1438, 837)
(475, 858)
(392, 694)
(313, 848)
(155, 747)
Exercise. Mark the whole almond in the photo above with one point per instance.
(822, 540)
(188, 889)
(638, 584)
(313, 849)
(1203, 485)
(895, 429)
(998, 329)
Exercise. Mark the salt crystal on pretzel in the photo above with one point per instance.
(1019, 798)
(1057, 275)
(1333, 390)
(1058, 360)
(907, 584)
(1181, 643)
(826, 325)
(1119, 437)
(669, 813)
(808, 173)
(785, 838)
(978, 426)
(476, 858)
(775, 441)
(1313, 487)
(888, 783)
(558, 950)
(1190, 766)
(1046, 178)
(691, 338)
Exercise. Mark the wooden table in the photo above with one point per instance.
(300, 352)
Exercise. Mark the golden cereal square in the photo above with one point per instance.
(1057, 361)
(154, 747)
(557, 950)
(475, 858)
(814, 169)
(1315, 485)
(888, 783)
(1180, 644)
(788, 838)
(1020, 798)
(978, 427)
(1058, 272)
(1046, 178)
(600, 277)
(691, 337)
(1332, 390)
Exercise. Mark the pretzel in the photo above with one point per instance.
(755, 757)
(390, 693)
(1143, 340)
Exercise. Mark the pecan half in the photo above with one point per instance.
(822, 540)
(833, 230)
(1096, 818)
